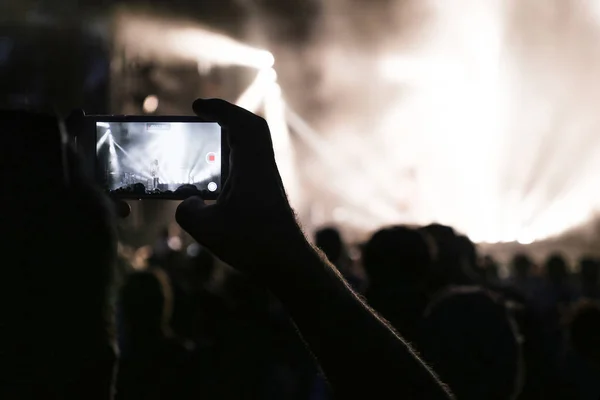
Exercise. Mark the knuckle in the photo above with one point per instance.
(261, 122)
(262, 128)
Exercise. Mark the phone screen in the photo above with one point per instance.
(161, 156)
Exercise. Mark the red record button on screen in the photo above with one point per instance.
(211, 158)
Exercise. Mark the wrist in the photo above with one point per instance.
(288, 254)
(298, 272)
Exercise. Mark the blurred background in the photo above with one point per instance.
(476, 114)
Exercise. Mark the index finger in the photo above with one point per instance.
(246, 130)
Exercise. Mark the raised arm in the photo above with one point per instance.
(253, 228)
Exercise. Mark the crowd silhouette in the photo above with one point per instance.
(255, 310)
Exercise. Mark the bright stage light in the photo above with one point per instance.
(454, 117)
(103, 139)
(155, 38)
(472, 119)
(267, 60)
(150, 104)
(145, 37)
(114, 159)
(343, 180)
(417, 70)
(525, 240)
(254, 95)
(500, 131)
(136, 161)
(274, 108)
(174, 243)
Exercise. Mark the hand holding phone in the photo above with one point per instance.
(137, 157)
(252, 226)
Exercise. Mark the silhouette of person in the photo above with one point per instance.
(489, 270)
(155, 170)
(449, 266)
(398, 261)
(329, 241)
(461, 330)
(470, 340)
(584, 331)
(589, 276)
(523, 278)
(57, 331)
(57, 334)
(582, 364)
(154, 363)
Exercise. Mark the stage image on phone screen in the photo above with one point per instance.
(161, 156)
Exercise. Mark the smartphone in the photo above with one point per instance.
(141, 157)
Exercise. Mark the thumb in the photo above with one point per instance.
(199, 220)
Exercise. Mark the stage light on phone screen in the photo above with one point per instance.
(158, 156)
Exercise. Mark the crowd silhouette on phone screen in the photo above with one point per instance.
(253, 309)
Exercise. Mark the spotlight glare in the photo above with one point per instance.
(255, 94)
(102, 140)
(155, 38)
(267, 59)
(525, 240)
(474, 105)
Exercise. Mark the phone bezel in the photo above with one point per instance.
(86, 141)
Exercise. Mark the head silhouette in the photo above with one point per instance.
(584, 330)
(397, 261)
(521, 266)
(397, 256)
(452, 254)
(589, 270)
(469, 265)
(467, 251)
(489, 268)
(556, 269)
(589, 274)
(146, 303)
(470, 342)
(59, 235)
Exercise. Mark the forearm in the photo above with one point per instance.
(360, 354)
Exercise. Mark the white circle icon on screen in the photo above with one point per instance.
(212, 187)
(211, 158)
